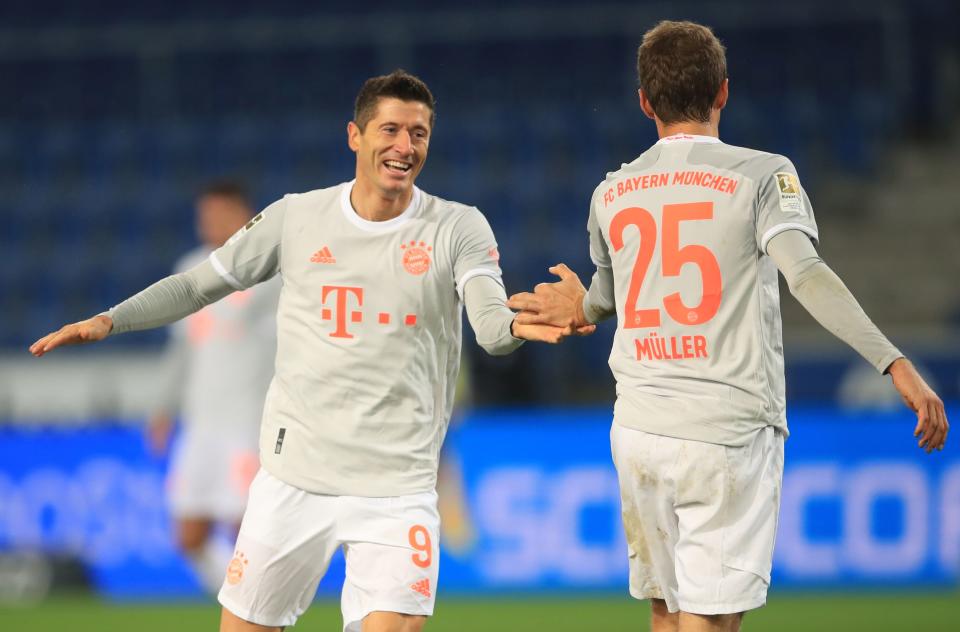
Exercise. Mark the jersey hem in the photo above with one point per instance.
(704, 432)
(313, 486)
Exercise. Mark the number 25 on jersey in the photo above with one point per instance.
(673, 259)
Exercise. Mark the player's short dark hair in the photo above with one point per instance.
(233, 189)
(399, 84)
(681, 67)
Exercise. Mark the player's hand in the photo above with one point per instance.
(559, 304)
(538, 333)
(932, 426)
(159, 429)
(90, 330)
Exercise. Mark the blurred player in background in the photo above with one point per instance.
(375, 272)
(217, 367)
(687, 240)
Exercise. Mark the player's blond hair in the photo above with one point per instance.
(680, 67)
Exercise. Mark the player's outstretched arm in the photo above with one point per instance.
(823, 294)
(90, 330)
(162, 303)
(932, 425)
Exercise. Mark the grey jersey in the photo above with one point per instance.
(220, 360)
(368, 335)
(698, 352)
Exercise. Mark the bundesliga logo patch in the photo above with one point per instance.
(243, 231)
(253, 222)
(791, 198)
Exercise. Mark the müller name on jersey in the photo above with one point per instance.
(706, 179)
(656, 347)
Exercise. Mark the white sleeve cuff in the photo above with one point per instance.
(475, 272)
(779, 228)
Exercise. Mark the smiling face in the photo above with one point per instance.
(392, 147)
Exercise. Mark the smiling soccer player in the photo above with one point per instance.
(375, 272)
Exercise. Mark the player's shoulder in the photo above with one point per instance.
(442, 210)
(315, 197)
(641, 162)
(752, 163)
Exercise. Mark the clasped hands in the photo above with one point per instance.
(553, 311)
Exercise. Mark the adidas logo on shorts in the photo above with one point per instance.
(422, 587)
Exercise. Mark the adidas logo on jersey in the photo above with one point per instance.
(323, 256)
(422, 587)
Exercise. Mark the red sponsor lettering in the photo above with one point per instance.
(347, 302)
(340, 307)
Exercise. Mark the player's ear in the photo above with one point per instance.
(645, 105)
(353, 136)
(722, 95)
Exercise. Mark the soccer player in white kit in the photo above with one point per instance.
(687, 240)
(216, 369)
(375, 272)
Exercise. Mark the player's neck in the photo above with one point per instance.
(691, 128)
(370, 204)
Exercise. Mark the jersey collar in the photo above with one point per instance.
(690, 138)
(376, 227)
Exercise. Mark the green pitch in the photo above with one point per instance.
(875, 612)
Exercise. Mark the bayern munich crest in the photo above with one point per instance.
(236, 568)
(416, 257)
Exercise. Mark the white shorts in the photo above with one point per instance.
(700, 518)
(288, 536)
(210, 473)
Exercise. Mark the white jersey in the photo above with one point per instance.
(221, 358)
(368, 335)
(698, 352)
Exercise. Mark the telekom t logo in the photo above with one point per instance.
(342, 294)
